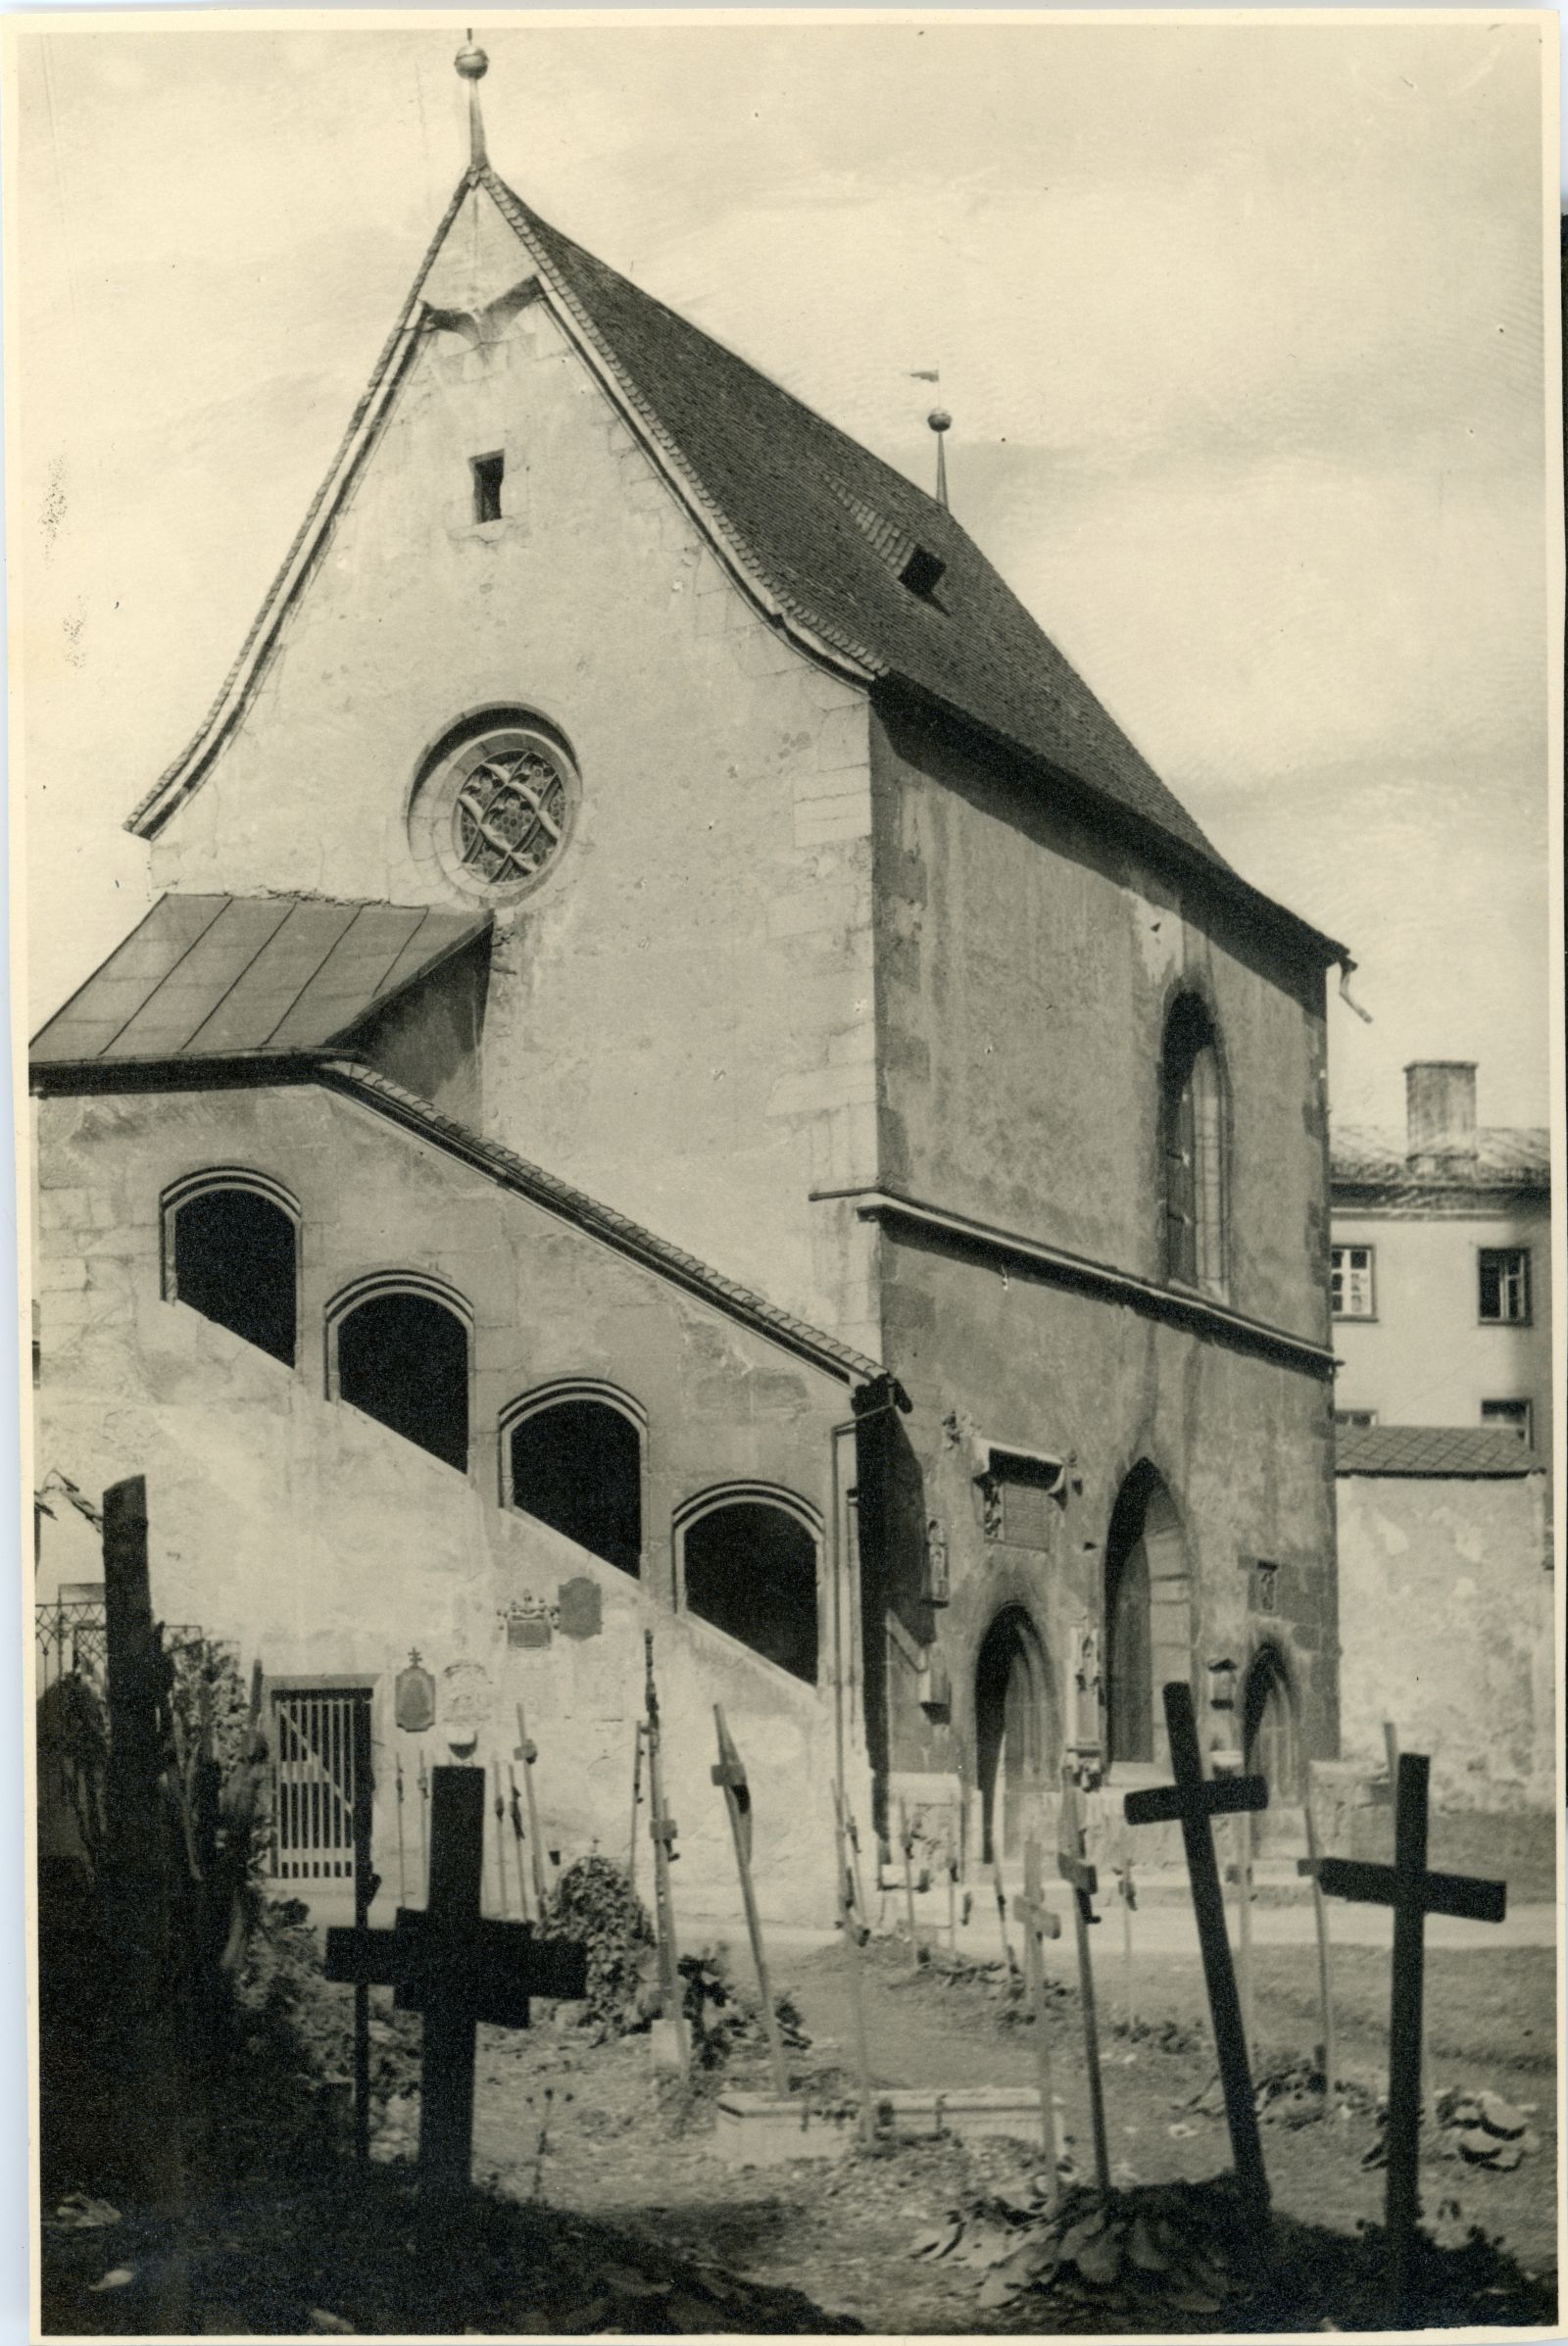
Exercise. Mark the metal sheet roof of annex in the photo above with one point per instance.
(210, 977)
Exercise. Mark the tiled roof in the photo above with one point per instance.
(848, 550)
(205, 977)
(1457, 1450)
(1373, 1156)
(817, 514)
(81, 1053)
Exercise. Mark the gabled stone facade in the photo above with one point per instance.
(853, 971)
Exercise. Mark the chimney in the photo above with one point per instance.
(1439, 1108)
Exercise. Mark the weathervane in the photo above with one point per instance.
(474, 65)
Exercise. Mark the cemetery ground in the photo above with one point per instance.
(603, 2204)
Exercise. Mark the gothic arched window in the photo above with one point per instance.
(1193, 1114)
(574, 1459)
(231, 1252)
(748, 1565)
(398, 1351)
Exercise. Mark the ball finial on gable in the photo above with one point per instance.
(941, 422)
(474, 65)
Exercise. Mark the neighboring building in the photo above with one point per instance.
(630, 775)
(1441, 1269)
(1440, 1266)
(1446, 1610)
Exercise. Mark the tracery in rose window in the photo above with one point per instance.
(492, 812)
(509, 816)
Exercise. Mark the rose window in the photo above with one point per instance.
(495, 810)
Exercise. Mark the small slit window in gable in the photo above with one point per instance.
(489, 471)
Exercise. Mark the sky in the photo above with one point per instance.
(1241, 326)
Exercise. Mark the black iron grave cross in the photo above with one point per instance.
(1413, 1893)
(457, 1968)
(1193, 1801)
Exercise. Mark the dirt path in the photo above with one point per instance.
(843, 2232)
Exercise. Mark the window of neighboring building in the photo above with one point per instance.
(231, 1252)
(749, 1565)
(402, 1356)
(1355, 1417)
(1505, 1283)
(1351, 1275)
(1509, 1417)
(576, 1463)
(1194, 1117)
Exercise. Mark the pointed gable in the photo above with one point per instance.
(842, 552)
(817, 514)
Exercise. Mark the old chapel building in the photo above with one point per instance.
(683, 1074)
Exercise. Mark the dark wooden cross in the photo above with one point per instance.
(1193, 1801)
(1075, 1870)
(1413, 1893)
(450, 1963)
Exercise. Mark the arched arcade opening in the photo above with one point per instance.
(1015, 1731)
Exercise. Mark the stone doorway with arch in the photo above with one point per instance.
(1148, 1619)
(1271, 1747)
(1016, 1732)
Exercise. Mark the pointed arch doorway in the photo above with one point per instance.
(1014, 1730)
(1148, 1617)
(1271, 1745)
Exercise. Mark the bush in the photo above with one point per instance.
(722, 2018)
(594, 1903)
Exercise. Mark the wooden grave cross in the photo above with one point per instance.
(1075, 1870)
(1193, 1801)
(730, 1777)
(458, 1967)
(527, 1751)
(1040, 1923)
(1413, 1893)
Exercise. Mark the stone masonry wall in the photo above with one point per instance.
(1242, 1443)
(1026, 964)
(680, 1018)
(314, 1537)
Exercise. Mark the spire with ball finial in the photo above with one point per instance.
(472, 64)
(941, 423)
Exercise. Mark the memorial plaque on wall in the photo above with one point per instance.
(413, 1697)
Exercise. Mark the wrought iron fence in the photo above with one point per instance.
(72, 1639)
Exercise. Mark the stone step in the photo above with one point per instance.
(760, 2130)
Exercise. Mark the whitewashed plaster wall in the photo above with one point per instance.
(680, 1018)
(1446, 1629)
(312, 1538)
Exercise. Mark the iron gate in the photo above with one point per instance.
(319, 1735)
